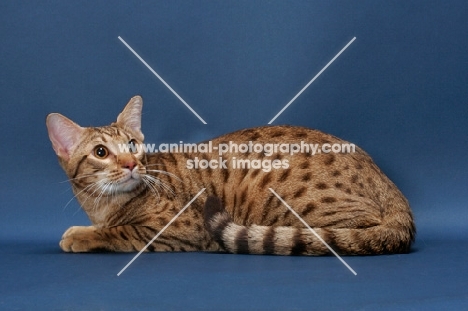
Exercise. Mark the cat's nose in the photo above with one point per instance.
(129, 164)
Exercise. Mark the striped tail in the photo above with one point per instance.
(285, 240)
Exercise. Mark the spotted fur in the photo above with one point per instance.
(130, 197)
(289, 240)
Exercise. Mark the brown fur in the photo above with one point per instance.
(345, 197)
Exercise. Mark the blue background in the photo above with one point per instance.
(399, 91)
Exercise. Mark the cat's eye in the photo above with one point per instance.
(101, 152)
(132, 144)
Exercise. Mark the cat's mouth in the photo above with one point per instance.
(130, 181)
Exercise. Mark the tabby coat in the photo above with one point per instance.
(130, 197)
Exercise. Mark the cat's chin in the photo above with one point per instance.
(129, 185)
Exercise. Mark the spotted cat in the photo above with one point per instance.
(130, 196)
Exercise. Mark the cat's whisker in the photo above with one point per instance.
(168, 189)
(85, 189)
(107, 192)
(99, 184)
(152, 188)
(101, 194)
(81, 177)
(162, 185)
(75, 196)
(166, 173)
(154, 180)
(155, 164)
(66, 190)
(158, 182)
(148, 180)
(113, 194)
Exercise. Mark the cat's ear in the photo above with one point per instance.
(130, 117)
(64, 134)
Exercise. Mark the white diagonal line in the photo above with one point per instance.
(311, 81)
(313, 231)
(159, 233)
(161, 79)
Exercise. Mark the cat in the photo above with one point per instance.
(130, 196)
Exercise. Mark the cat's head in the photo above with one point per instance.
(94, 157)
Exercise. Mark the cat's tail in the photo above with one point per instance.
(284, 240)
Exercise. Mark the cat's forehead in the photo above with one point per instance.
(107, 133)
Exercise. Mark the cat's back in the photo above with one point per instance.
(301, 150)
(278, 134)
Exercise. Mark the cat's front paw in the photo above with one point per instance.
(79, 239)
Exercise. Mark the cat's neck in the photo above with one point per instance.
(99, 208)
